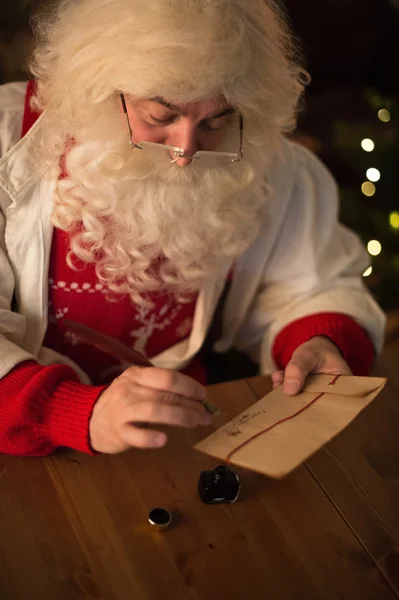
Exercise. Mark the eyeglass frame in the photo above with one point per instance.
(180, 152)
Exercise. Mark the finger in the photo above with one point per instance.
(341, 369)
(166, 380)
(277, 378)
(177, 400)
(158, 412)
(301, 364)
(146, 394)
(142, 438)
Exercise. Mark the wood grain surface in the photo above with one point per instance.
(73, 526)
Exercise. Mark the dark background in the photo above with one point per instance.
(351, 48)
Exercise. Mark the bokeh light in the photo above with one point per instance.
(367, 145)
(384, 115)
(373, 174)
(374, 247)
(368, 188)
(368, 272)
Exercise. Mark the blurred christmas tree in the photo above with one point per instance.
(370, 194)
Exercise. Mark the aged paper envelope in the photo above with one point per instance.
(278, 433)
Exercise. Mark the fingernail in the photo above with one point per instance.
(160, 440)
(291, 387)
(206, 419)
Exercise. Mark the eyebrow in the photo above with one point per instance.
(170, 106)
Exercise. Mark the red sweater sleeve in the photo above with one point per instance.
(350, 338)
(44, 408)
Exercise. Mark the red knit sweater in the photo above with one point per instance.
(43, 408)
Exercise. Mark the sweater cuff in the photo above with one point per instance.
(69, 413)
(350, 338)
(54, 405)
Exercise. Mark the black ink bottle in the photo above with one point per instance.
(221, 485)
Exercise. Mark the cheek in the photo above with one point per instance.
(210, 140)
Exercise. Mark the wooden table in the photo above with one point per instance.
(75, 527)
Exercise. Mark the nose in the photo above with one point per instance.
(187, 139)
(184, 161)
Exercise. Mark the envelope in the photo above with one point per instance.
(278, 433)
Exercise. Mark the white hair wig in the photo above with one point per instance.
(183, 50)
(124, 216)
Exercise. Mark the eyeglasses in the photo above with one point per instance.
(160, 153)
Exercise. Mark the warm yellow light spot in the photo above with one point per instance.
(373, 174)
(394, 220)
(368, 188)
(368, 272)
(367, 145)
(374, 247)
(384, 115)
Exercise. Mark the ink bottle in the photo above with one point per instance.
(221, 485)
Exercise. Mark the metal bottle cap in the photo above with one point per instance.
(159, 519)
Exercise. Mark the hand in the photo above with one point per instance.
(145, 395)
(317, 355)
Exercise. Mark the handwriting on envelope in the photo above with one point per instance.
(278, 433)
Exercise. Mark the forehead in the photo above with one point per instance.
(200, 107)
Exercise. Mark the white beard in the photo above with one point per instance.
(126, 215)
